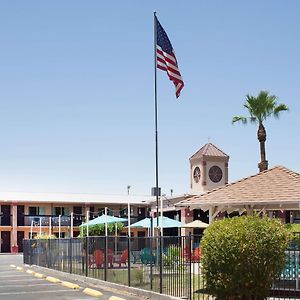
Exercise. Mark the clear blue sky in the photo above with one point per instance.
(76, 91)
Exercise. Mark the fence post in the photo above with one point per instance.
(105, 258)
(191, 253)
(151, 259)
(38, 248)
(70, 255)
(86, 255)
(129, 249)
(160, 264)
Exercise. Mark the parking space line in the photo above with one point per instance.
(25, 279)
(26, 285)
(37, 292)
(15, 275)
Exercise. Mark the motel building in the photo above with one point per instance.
(23, 213)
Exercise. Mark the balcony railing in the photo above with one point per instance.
(44, 220)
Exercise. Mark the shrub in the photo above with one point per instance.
(171, 256)
(242, 256)
(295, 227)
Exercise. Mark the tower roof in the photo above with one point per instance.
(210, 150)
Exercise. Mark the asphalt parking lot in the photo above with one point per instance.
(19, 285)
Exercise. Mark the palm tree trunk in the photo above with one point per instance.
(262, 136)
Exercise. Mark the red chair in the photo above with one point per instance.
(186, 253)
(99, 258)
(196, 256)
(123, 259)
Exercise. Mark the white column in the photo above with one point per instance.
(59, 226)
(72, 216)
(50, 225)
(210, 216)
(40, 226)
(128, 216)
(87, 222)
(31, 227)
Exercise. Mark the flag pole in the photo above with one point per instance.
(155, 101)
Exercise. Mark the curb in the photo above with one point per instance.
(115, 298)
(108, 285)
(52, 279)
(92, 292)
(39, 275)
(70, 285)
(30, 272)
(20, 269)
(13, 266)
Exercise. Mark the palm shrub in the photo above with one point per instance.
(242, 256)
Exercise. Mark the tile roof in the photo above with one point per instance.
(209, 149)
(276, 185)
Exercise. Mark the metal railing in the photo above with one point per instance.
(44, 220)
(168, 265)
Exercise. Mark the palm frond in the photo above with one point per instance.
(279, 108)
(239, 119)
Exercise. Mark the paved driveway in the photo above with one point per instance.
(19, 285)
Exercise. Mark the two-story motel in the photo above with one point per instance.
(24, 213)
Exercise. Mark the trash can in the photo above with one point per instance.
(15, 249)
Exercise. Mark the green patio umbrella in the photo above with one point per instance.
(166, 223)
(103, 219)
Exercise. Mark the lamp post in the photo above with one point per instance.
(128, 210)
(105, 214)
(128, 216)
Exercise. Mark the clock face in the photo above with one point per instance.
(197, 174)
(215, 174)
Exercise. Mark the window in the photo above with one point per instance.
(36, 211)
(60, 210)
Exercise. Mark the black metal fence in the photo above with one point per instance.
(168, 265)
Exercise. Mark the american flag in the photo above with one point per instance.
(166, 59)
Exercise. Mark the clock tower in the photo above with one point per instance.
(209, 169)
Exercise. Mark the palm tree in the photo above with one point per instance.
(260, 108)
